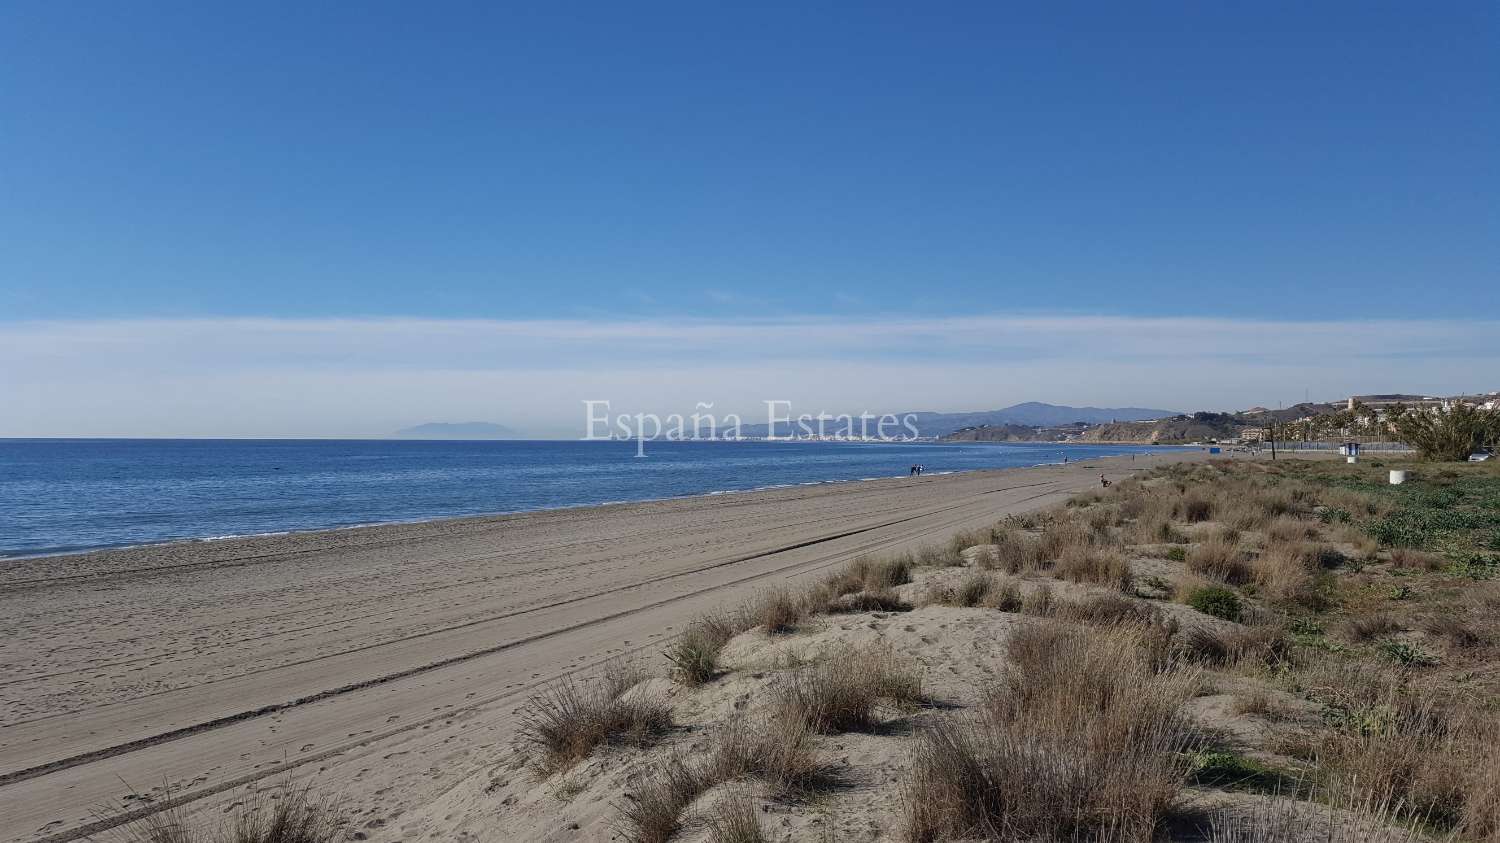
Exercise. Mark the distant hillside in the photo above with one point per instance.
(1261, 415)
(1000, 433)
(1029, 414)
(456, 430)
(1195, 428)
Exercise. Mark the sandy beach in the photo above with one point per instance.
(385, 664)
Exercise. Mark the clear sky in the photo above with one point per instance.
(171, 165)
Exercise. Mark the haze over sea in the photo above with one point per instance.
(61, 495)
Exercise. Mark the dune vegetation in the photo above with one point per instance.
(1223, 651)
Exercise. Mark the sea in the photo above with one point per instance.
(68, 495)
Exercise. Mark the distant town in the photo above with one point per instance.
(1355, 417)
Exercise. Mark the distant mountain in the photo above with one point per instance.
(456, 430)
(1029, 414)
(1038, 414)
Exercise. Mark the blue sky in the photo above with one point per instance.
(1283, 163)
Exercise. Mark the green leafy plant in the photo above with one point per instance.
(1216, 600)
(1477, 567)
(1334, 515)
(1405, 654)
(1218, 768)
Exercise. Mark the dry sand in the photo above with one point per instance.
(385, 664)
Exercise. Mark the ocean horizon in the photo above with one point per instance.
(75, 495)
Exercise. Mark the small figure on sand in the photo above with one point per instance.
(1103, 482)
(915, 469)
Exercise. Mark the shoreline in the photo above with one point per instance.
(7, 559)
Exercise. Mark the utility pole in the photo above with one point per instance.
(1273, 434)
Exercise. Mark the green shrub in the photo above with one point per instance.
(1334, 515)
(1216, 600)
(1476, 567)
(1404, 653)
(1446, 435)
(1396, 532)
(1177, 554)
(1217, 768)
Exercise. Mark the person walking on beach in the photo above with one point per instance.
(913, 470)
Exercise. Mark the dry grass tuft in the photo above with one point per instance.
(1039, 602)
(778, 750)
(1427, 756)
(733, 820)
(1003, 594)
(882, 600)
(1415, 560)
(870, 581)
(1107, 610)
(1014, 552)
(1197, 506)
(1285, 573)
(286, 814)
(966, 539)
(1081, 741)
(875, 574)
(695, 653)
(845, 692)
(1283, 819)
(652, 813)
(1286, 530)
(939, 556)
(973, 590)
(567, 720)
(1094, 565)
(1155, 528)
(1365, 628)
(1059, 537)
(1251, 646)
(1453, 632)
(775, 610)
(1219, 559)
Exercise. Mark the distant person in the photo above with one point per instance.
(914, 469)
(1103, 481)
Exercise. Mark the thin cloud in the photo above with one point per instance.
(257, 376)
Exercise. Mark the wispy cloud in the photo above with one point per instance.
(237, 376)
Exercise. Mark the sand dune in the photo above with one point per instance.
(386, 663)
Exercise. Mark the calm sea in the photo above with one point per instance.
(59, 495)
